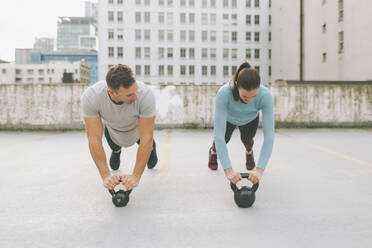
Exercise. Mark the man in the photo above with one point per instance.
(128, 109)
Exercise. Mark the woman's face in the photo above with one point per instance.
(247, 96)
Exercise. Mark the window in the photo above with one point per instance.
(170, 35)
(204, 70)
(269, 19)
(324, 28)
(3, 71)
(248, 53)
(225, 70)
(234, 53)
(147, 70)
(204, 19)
(147, 17)
(191, 35)
(256, 3)
(110, 51)
(18, 71)
(183, 18)
(340, 10)
(170, 52)
(138, 34)
(234, 19)
(183, 53)
(233, 69)
(191, 18)
(138, 2)
(225, 19)
(213, 19)
(30, 80)
(256, 53)
(204, 3)
(170, 3)
(257, 36)
(138, 53)
(18, 80)
(225, 36)
(204, 53)
(257, 68)
(269, 3)
(161, 52)
(248, 3)
(161, 2)
(161, 70)
(256, 19)
(213, 70)
(234, 4)
(225, 53)
(30, 71)
(191, 3)
(269, 70)
(269, 36)
(248, 36)
(191, 53)
(213, 4)
(234, 36)
(147, 52)
(269, 53)
(324, 56)
(120, 16)
(41, 71)
(161, 35)
(248, 19)
(213, 36)
(183, 35)
(138, 70)
(212, 52)
(341, 42)
(225, 3)
(191, 70)
(169, 18)
(161, 19)
(111, 1)
(138, 17)
(147, 34)
(111, 34)
(147, 2)
(204, 35)
(110, 16)
(120, 33)
(183, 70)
(183, 3)
(170, 70)
(120, 52)
(120, 1)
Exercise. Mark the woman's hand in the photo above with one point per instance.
(255, 176)
(233, 176)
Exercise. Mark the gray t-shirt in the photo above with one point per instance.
(120, 120)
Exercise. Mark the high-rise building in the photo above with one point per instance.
(75, 33)
(185, 41)
(44, 44)
(22, 55)
(322, 40)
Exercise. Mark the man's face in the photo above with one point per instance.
(247, 96)
(124, 95)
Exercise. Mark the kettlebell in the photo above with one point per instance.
(120, 198)
(245, 196)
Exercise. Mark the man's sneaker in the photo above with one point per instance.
(115, 160)
(249, 161)
(212, 162)
(153, 159)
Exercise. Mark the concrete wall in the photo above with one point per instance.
(45, 106)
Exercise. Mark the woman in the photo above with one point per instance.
(238, 104)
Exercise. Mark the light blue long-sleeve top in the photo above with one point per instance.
(239, 113)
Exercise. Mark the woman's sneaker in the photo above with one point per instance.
(249, 161)
(212, 162)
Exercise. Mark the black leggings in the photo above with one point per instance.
(116, 147)
(247, 133)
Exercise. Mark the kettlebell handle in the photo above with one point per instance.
(113, 192)
(244, 175)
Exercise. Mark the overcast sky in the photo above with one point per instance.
(23, 20)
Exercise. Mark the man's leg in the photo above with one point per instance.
(153, 159)
(116, 151)
(212, 162)
(247, 133)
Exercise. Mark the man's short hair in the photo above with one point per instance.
(120, 75)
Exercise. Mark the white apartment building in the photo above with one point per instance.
(43, 73)
(336, 42)
(184, 41)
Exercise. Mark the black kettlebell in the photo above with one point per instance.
(120, 198)
(245, 196)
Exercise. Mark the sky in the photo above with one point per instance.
(23, 20)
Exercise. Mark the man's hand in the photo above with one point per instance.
(129, 181)
(233, 176)
(255, 175)
(111, 181)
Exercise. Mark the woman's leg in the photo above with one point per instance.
(247, 133)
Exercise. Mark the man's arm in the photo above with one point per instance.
(146, 132)
(94, 129)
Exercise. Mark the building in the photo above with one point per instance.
(43, 73)
(76, 33)
(185, 41)
(90, 57)
(322, 40)
(44, 44)
(22, 55)
(91, 9)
